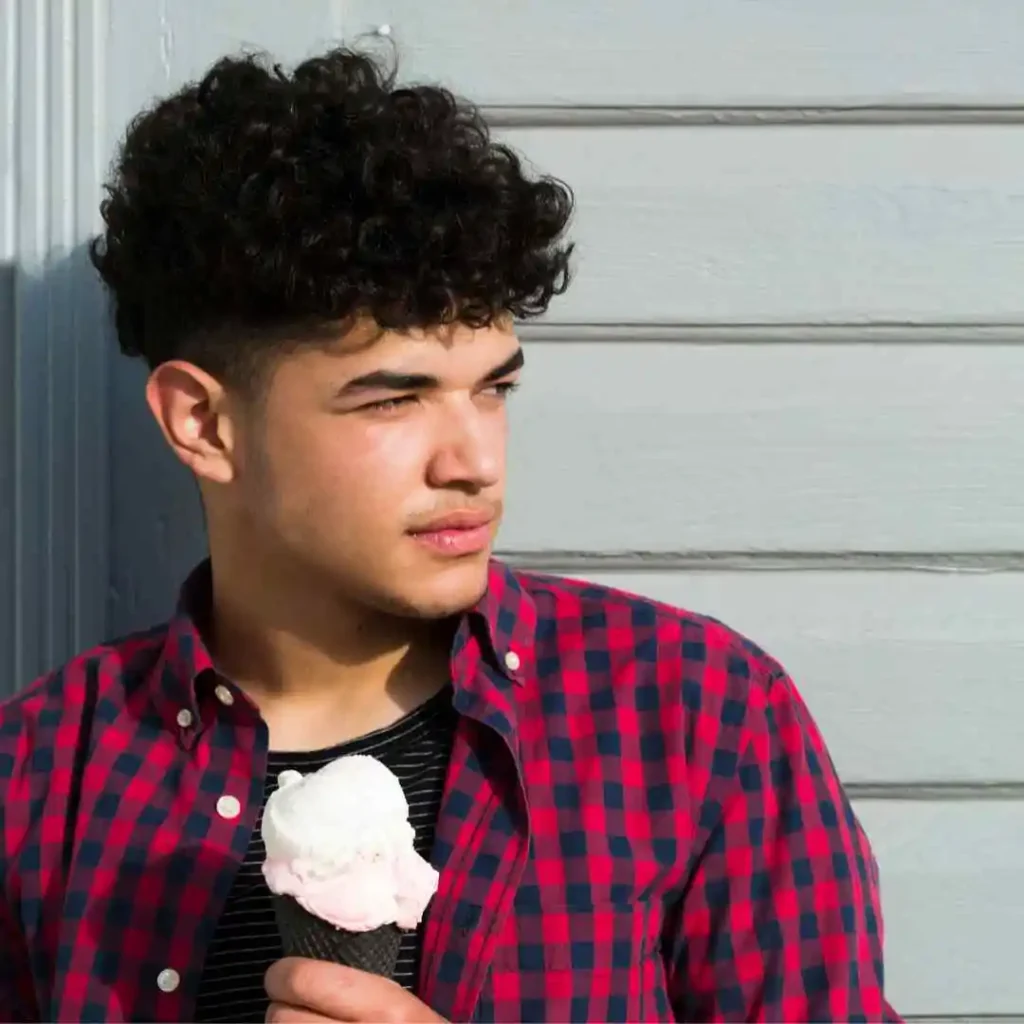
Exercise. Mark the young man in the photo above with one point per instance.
(632, 812)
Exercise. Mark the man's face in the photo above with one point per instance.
(378, 464)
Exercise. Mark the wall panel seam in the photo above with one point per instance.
(952, 562)
(784, 116)
(868, 332)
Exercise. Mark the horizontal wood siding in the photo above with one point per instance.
(785, 388)
(791, 224)
(656, 446)
(710, 52)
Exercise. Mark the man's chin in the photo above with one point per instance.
(447, 591)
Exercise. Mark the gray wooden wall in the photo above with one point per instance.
(787, 388)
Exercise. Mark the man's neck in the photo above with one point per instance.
(320, 669)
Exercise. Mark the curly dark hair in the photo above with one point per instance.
(257, 207)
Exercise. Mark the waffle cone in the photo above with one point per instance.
(306, 935)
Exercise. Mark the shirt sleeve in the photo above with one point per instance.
(17, 998)
(780, 919)
(17, 990)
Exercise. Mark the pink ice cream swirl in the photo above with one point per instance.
(339, 842)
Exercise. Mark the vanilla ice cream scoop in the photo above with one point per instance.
(339, 842)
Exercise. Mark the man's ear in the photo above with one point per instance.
(194, 413)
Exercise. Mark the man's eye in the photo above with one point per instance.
(390, 404)
(504, 389)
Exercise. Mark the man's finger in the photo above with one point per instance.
(279, 1013)
(336, 992)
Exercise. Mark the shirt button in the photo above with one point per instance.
(168, 980)
(229, 807)
(185, 718)
(512, 661)
(224, 695)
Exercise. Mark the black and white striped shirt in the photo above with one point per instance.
(417, 749)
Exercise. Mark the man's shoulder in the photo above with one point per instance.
(37, 714)
(608, 618)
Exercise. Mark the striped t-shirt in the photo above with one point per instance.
(417, 749)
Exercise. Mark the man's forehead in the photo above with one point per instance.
(435, 350)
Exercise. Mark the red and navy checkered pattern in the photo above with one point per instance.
(640, 823)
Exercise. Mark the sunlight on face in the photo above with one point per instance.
(380, 463)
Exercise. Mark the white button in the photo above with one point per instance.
(184, 718)
(168, 980)
(512, 661)
(229, 807)
(224, 695)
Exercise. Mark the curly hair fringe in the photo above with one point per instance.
(254, 206)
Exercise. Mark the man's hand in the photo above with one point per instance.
(314, 992)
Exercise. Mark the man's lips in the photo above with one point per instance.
(457, 533)
(467, 520)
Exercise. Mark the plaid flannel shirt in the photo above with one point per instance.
(640, 823)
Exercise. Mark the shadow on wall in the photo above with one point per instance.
(98, 522)
(156, 525)
(8, 585)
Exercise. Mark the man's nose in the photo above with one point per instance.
(468, 451)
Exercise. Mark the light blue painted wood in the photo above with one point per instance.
(665, 447)
(708, 52)
(954, 910)
(164, 43)
(795, 224)
(54, 559)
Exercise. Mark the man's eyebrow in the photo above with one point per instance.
(391, 380)
(513, 363)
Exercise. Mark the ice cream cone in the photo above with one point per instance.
(342, 864)
(306, 935)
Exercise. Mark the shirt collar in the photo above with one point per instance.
(507, 616)
(503, 622)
